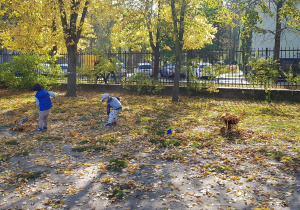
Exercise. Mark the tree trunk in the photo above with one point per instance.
(189, 66)
(175, 97)
(178, 25)
(156, 63)
(277, 32)
(155, 48)
(72, 61)
(72, 36)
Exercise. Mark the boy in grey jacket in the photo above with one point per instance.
(115, 104)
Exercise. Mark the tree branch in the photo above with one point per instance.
(83, 16)
(63, 18)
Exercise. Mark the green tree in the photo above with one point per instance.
(27, 26)
(102, 17)
(285, 14)
(190, 31)
(41, 26)
(23, 71)
(72, 15)
(263, 73)
(141, 25)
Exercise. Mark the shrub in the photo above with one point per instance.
(23, 71)
(196, 85)
(99, 69)
(142, 83)
(290, 77)
(263, 73)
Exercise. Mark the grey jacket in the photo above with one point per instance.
(114, 103)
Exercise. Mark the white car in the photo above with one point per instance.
(204, 70)
(144, 68)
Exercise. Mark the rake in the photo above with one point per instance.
(25, 119)
(103, 122)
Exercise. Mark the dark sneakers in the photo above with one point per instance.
(110, 124)
(40, 129)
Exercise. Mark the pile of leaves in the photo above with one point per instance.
(79, 163)
(230, 121)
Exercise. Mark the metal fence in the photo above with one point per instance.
(233, 62)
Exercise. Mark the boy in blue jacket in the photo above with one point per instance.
(115, 104)
(42, 98)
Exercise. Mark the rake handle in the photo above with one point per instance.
(103, 122)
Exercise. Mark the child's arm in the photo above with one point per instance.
(37, 101)
(51, 94)
(108, 109)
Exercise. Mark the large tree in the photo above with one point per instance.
(27, 26)
(285, 14)
(141, 26)
(42, 26)
(72, 16)
(150, 21)
(103, 16)
(191, 30)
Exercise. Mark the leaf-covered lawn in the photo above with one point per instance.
(79, 164)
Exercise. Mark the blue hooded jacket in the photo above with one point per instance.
(44, 100)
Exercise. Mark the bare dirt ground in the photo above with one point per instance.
(81, 180)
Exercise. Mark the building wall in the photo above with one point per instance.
(262, 41)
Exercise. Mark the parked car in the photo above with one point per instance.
(204, 70)
(144, 68)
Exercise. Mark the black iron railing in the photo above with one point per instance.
(229, 67)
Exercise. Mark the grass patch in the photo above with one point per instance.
(23, 153)
(153, 141)
(80, 149)
(118, 194)
(12, 142)
(59, 111)
(127, 155)
(221, 168)
(205, 144)
(175, 156)
(3, 158)
(86, 148)
(32, 175)
(162, 143)
(277, 155)
(159, 132)
(83, 118)
(117, 164)
(112, 140)
(99, 148)
(56, 138)
(84, 142)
